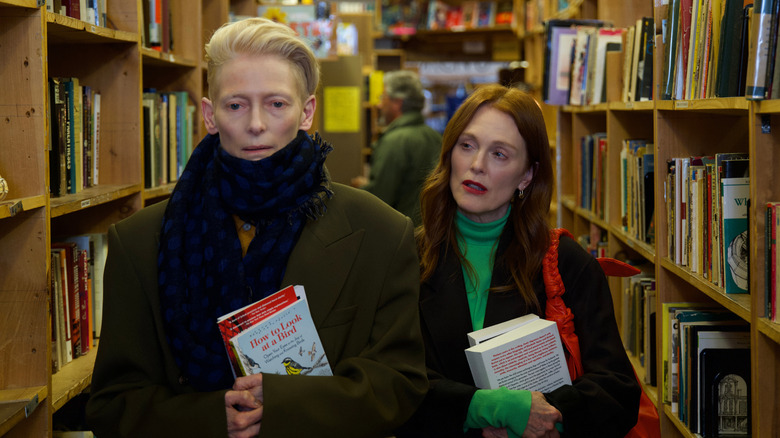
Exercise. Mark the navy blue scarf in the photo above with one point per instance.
(201, 272)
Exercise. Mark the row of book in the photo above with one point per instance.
(75, 136)
(313, 23)
(707, 215)
(579, 54)
(763, 69)
(637, 196)
(406, 17)
(77, 265)
(469, 14)
(706, 368)
(157, 27)
(638, 320)
(637, 170)
(772, 261)
(168, 119)
(720, 48)
(593, 173)
(91, 11)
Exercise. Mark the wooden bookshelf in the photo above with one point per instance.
(35, 45)
(678, 129)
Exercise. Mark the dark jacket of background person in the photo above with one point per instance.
(401, 160)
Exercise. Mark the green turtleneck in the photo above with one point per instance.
(489, 407)
(478, 243)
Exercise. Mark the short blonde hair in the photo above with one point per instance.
(260, 36)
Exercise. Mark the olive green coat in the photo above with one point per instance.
(360, 269)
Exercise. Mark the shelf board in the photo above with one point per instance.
(770, 329)
(64, 29)
(721, 105)
(16, 404)
(159, 192)
(568, 202)
(591, 217)
(12, 207)
(33, 4)
(679, 424)
(153, 57)
(599, 108)
(646, 105)
(739, 304)
(389, 52)
(91, 197)
(768, 106)
(644, 249)
(448, 32)
(72, 379)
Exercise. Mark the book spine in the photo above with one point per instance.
(736, 192)
(756, 85)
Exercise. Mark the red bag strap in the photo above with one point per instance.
(556, 310)
(648, 424)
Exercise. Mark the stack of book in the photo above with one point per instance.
(90, 11)
(580, 54)
(168, 135)
(706, 368)
(77, 265)
(638, 323)
(707, 215)
(721, 48)
(75, 136)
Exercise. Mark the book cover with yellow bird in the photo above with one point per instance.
(283, 340)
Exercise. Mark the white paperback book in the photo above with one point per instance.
(522, 353)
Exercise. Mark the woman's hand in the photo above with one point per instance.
(541, 422)
(244, 407)
(252, 383)
(244, 413)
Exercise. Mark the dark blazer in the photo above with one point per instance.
(603, 402)
(359, 266)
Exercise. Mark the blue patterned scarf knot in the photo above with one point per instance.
(201, 272)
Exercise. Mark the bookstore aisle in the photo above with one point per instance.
(662, 161)
(679, 179)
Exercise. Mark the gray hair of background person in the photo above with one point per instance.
(405, 85)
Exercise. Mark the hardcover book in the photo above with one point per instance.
(274, 335)
(725, 386)
(734, 335)
(528, 355)
(735, 192)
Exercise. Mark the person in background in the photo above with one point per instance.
(407, 150)
(253, 211)
(484, 234)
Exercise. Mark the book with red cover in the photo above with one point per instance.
(71, 262)
(234, 323)
(285, 342)
(84, 301)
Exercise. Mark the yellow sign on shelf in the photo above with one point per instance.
(342, 109)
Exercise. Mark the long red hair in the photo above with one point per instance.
(529, 214)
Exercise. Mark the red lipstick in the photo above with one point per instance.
(474, 187)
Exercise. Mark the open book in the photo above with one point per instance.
(522, 353)
(274, 335)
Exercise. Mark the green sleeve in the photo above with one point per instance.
(500, 408)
